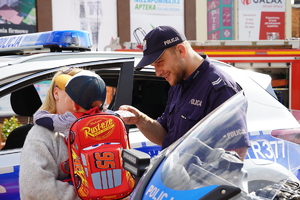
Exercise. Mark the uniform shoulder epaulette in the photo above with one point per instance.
(216, 81)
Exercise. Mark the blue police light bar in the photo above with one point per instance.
(53, 40)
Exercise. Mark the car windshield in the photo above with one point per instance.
(197, 159)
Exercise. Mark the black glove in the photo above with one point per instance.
(284, 190)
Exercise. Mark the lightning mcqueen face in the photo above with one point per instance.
(142, 89)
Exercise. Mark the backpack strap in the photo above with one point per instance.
(89, 112)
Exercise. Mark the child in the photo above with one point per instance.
(86, 89)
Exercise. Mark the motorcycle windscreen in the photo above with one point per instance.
(205, 156)
(201, 159)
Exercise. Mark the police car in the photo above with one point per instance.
(28, 63)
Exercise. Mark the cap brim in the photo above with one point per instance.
(61, 81)
(148, 59)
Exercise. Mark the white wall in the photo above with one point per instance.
(150, 14)
(100, 19)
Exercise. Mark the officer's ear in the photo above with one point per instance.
(181, 50)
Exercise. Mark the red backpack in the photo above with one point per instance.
(95, 145)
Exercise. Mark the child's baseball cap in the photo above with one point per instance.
(155, 43)
(84, 88)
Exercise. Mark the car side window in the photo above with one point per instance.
(150, 96)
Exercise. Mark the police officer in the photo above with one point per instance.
(198, 87)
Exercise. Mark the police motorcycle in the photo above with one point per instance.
(191, 169)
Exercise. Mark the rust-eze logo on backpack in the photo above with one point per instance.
(98, 128)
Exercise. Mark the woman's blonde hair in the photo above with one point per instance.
(49, 103)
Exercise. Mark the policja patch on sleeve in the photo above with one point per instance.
(216, 81)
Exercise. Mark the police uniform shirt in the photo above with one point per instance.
(194, 98)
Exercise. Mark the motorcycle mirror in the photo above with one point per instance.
(135, 161)
(291, 135)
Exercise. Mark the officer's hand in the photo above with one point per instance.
(135, 118)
